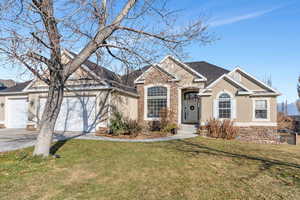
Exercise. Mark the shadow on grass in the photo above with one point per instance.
(62, 140)
(196, 149)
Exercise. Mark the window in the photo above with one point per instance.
(190, 95)
(261, 110)
(224, 106)
(156, 100)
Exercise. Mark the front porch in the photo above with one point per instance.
(189, 110)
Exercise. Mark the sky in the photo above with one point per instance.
(261, 37)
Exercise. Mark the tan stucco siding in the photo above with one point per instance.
(125, 104)
(244, 105)
(250, 84)
(206, 111)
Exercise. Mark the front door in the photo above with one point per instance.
(190, 108)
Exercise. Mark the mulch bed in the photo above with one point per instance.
(149, 135)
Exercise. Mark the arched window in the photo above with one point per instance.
(224, 106)
(156, 100)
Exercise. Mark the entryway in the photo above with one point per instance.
(190, 107)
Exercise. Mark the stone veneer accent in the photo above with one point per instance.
(261, 135)
(155, 77)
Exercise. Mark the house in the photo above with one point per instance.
(194, 91)
(6, 83)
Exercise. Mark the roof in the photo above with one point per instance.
(100, 71)
(210, 71)
(19, 87)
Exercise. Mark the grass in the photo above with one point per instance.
(196, 168)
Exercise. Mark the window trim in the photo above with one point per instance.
(254, 108)
(230, 107)
(232, 104)
(146, 100)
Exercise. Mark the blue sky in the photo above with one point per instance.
(262, 37)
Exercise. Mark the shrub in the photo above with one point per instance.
(284, 122)
(222, 129)
(166, 121)
(166, 117)
(123, 126)
(117, 125)
(132, 127)
(170, 128)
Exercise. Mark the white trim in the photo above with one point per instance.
(73, 89)
(179, 92)
(146, 102)
(219, 79)
(203, 78)
(29, 85)
(247, 124)
(233, 110)
(268, 110)
(264, 94)
(255, 79)
(12, 93)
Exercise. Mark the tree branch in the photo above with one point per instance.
(147, 34)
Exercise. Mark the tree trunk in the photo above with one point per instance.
(49, 117)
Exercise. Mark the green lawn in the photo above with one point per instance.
(196, 168)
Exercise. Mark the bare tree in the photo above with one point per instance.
(125, 33)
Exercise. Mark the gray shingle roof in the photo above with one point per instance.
(210, 71)
(101, 72)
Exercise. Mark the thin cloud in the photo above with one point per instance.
(239, 18)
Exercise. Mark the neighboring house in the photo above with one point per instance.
(195, 91)
(6, 84)
(296, 119)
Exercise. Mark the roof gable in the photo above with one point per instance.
(242, 90)
(255, 81)
(142, 77)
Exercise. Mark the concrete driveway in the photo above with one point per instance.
(13, 139)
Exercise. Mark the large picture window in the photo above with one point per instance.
(224, 106)
(261, 109)
(156, 100)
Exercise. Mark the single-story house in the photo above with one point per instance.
(195, 92)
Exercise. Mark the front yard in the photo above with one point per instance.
(196, 168)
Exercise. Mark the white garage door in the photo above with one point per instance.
(17, 113)
(76, 114)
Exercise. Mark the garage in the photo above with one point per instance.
(17, 109)
(76, 114)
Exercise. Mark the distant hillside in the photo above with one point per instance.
(291, 108)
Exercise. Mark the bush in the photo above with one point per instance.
(117, 125)
(123, 126)
(222, 129)
(132, 127)
(284, 122)
(170, 128)
(166, 121)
